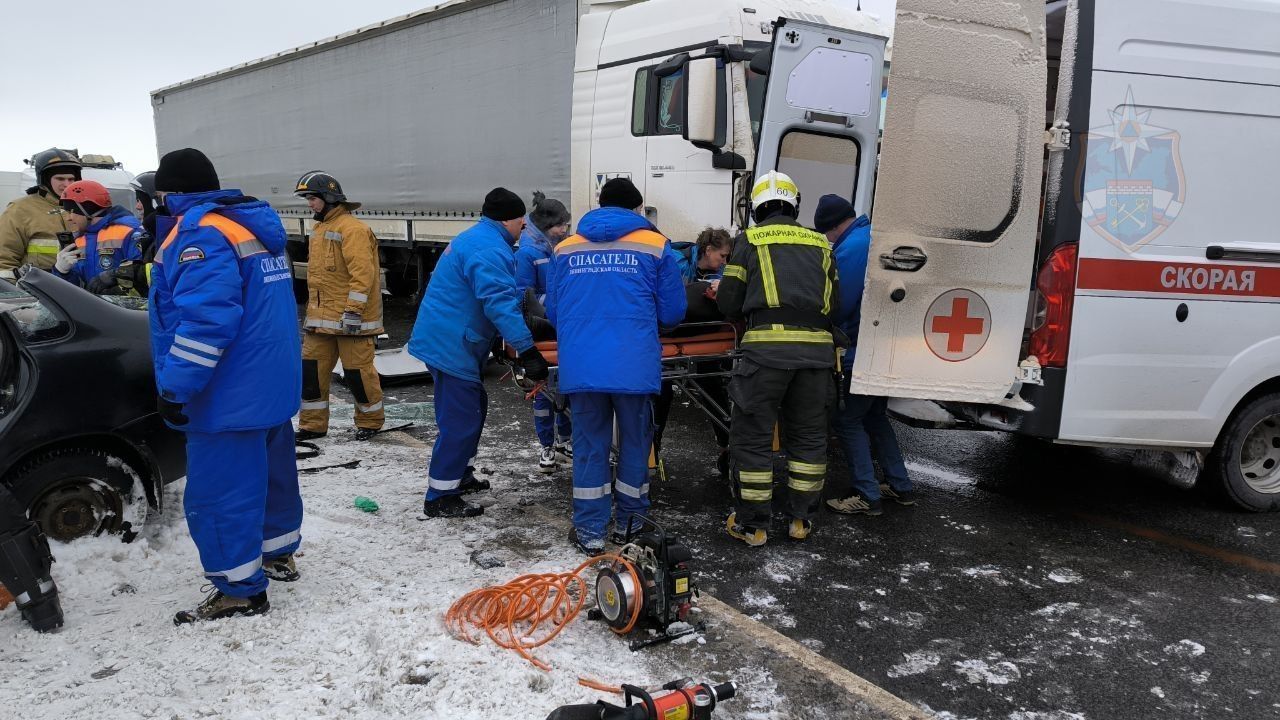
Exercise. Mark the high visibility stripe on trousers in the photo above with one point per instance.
(755, 486)
(806, 477)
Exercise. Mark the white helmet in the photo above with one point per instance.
(774, 186)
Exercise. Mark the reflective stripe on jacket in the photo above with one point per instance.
(615, 284)
(29, 231)
(782, 281)
(224, 328)
(113, 238)
(343, 275)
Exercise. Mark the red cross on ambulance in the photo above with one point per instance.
(957, 325)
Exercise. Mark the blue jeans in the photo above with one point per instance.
(863, 426)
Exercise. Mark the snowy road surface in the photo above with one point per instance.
(361, 635)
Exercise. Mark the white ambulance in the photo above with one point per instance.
(1074, 217)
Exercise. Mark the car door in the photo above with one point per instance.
(957, 202)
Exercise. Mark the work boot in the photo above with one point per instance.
(547, 460)
(855, 505)
(799, 529)
(471, 483)
(303, 435)
(281, 569)
(906, 497)
(450, 506)
(590, 549)
(363, 434)
(25, 563)
(755, 537)
(564, 451)
(219, 605)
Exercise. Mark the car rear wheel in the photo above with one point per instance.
(80, 492)
(1245, 465)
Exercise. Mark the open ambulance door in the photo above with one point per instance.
(821, 120)
(957, 202)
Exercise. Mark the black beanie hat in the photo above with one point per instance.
(502, 205)
(620, 193)
(186, 171)
(831, 211)
(547, 213)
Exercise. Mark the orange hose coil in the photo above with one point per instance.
(529, 611)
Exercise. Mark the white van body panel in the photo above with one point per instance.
(1204, 79)
(958, 190)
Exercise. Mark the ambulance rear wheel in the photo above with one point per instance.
(1245, 465)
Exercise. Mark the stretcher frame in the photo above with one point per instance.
(680, 369)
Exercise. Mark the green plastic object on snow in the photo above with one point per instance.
(366, 504)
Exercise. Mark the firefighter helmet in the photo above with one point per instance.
(48, 163)
(86, 197)
(322, 185)
(775, 186)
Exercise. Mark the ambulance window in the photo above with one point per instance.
(819, 164)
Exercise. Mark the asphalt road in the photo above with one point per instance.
(1032, 582)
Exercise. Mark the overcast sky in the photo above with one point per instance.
(96, 96)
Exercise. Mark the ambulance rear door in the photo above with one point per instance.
(821, 119)
(957, 202)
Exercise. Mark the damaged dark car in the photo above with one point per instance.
(81, 443)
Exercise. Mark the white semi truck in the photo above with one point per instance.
(1072, 230)
(421, 115)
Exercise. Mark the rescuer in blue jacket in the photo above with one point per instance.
(224, 341)
(471, 299)
(862, 421)
(545, 226)
(106, 236)
(614, 284)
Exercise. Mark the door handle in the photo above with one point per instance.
(904, 259)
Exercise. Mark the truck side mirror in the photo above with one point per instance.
(700, 100)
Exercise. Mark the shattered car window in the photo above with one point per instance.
(36, 321)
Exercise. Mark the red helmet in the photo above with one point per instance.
(86, 197)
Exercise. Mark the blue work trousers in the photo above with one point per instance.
(242, 503)
(550, 422)
(594, 415)
(864, 430)
(461, 406)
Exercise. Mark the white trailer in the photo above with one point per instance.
(421, 115)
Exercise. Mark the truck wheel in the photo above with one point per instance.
(1245, 464)
(79, 492)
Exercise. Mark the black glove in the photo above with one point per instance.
(171, 411)
(535, 366)
(104, 283)
(132, 275)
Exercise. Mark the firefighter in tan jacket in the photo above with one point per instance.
(29, 227)
(344, 309)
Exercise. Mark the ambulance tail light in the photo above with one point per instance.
(1055, 294)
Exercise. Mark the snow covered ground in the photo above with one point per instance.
(360, 636)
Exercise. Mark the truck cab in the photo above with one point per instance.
(633, 71)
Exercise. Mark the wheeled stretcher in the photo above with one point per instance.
(694, 351)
